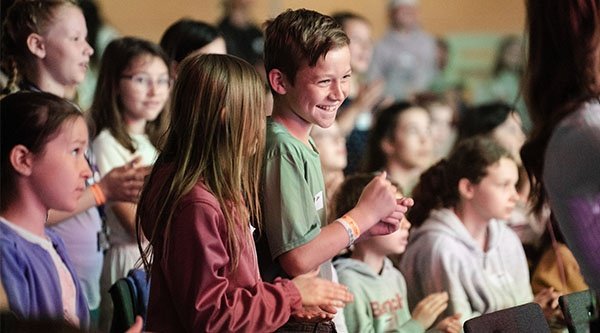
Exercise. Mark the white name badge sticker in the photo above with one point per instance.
(319, 200)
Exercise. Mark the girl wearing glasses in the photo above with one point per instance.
(128, 117)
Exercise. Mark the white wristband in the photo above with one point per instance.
(346, 226)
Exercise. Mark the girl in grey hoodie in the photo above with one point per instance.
(462, 245)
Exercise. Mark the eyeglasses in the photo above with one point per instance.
(145, 81)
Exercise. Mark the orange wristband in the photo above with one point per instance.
(98, 195)
(353, 225)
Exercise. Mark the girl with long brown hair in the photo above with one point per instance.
(196, 208)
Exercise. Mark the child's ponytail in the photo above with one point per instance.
(14, 78)
(433, 191)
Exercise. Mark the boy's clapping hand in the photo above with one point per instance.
(380, 199)
(392, 222)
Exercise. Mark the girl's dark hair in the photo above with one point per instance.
(30, 119)
(562, 72)
(482, 119)
(107, 110)
(438, 185)
(185, 36)
(385, 126)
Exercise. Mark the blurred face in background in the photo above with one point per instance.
(443, 129)
(66, 50)
(510, 135)
(404, 16)
(144, 88)
(512, 59)
(411, 144)
(495, 196)
(442, 122)
(332, 147)
(361, 44)
(390, 244)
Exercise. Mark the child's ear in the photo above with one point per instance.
(278, 81)
(35, 44)
(466, 189)
(21, 160)
(174, 65)
(386, 146)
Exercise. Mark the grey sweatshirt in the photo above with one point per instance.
(443, 256)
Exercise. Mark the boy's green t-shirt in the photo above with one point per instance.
(292, 199)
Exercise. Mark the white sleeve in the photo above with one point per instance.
(109, 153)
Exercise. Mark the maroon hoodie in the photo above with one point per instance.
(192, 286)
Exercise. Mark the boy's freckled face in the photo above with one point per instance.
(318, 91)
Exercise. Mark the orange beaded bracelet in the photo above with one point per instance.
(98, 194)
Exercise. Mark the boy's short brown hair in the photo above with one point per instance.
(298, 37)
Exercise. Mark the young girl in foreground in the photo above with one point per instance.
(463, 246)
(196, 206)
(43, 167)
